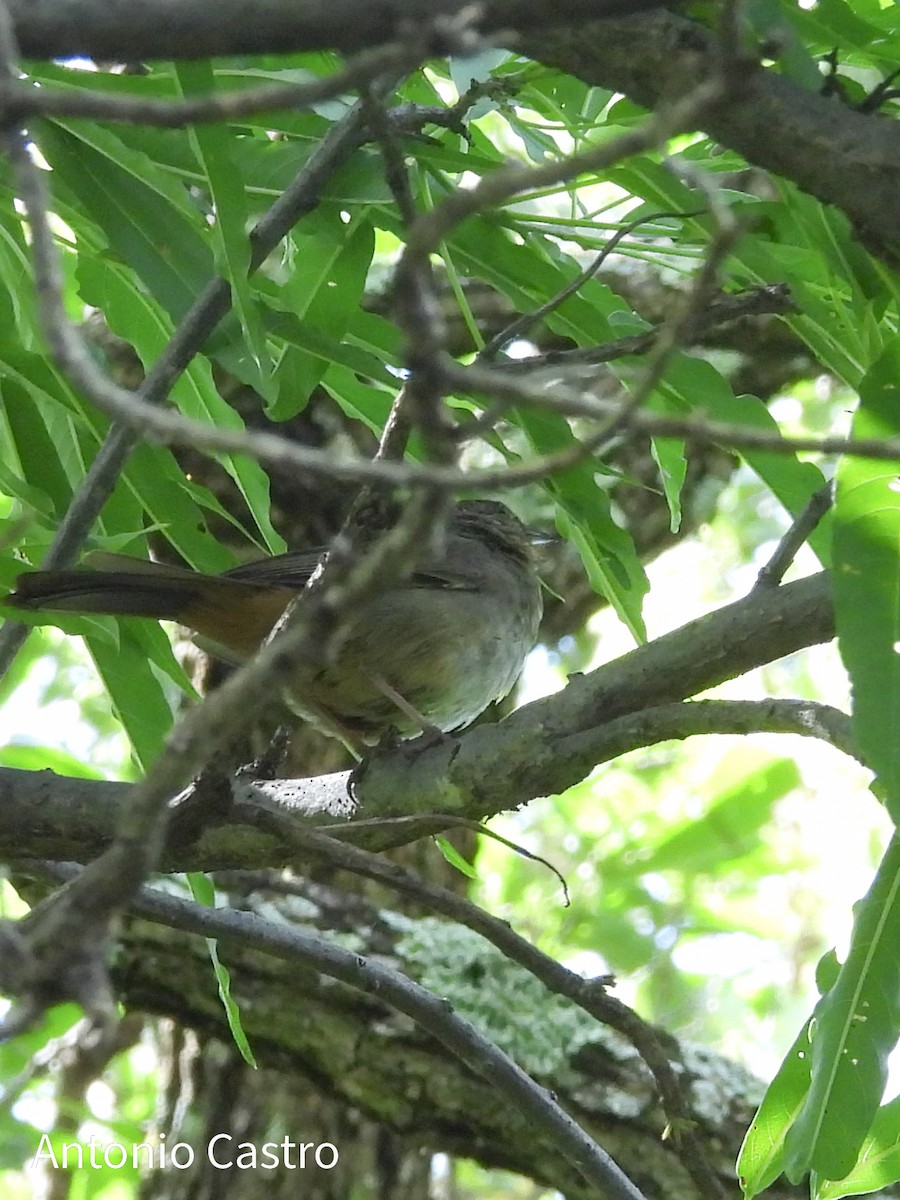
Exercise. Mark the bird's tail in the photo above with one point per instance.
(233, 616)
(121, 586)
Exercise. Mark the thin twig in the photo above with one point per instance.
(769, 300)
(786, 551)
(526, 321)
(21, 100)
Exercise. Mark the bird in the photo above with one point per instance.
(429, 652)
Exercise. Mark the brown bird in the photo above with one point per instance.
(433, 650)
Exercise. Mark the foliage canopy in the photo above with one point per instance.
(634, 324)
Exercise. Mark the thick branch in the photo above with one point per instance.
(836, 153)
(543, 748)
(122, 31)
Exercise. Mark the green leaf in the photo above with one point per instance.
(204, 893)
(328, 270)
(761, 1159)
(808, 247)
(607, 551)
(212, 145)
(867, 579)
(271, 167)
(694, 385)
(359, 398)
(669, 456)
(146, 218)
(33, 757)
(584, 517)
(744, 803)
(854, 1030)
(28, 386)
(836, 24)
(454, 858)
(878, 1165)
(135, 691)
(18, 317)
(133, 314)
(530, 272)
(771, 23)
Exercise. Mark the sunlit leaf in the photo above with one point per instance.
(867, 579)
(761, 1159)
(853, 1031)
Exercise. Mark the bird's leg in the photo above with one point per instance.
(401, 703)
(325, 720)
(430, 734)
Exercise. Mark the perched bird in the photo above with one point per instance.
(433, 650)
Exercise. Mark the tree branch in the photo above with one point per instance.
(842, 156)
(121, 31)
(402, 1077)
(545, 747)
(830, 150)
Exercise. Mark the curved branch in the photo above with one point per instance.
(692, 718)
(591, 995)
(598, 1077)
